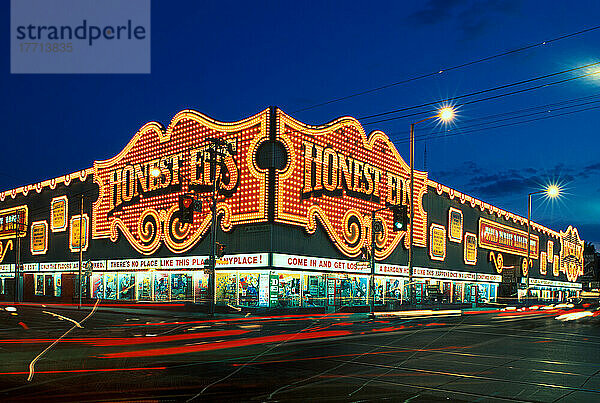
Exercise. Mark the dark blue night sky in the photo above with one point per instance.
(231, 60)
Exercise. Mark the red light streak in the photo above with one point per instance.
(226, 344)
(125, 341)
(243, 319)
(71, 371)
(484, 311)
(24, 325)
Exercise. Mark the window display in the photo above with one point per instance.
(393, 290)
(126, 286)
(58, 284)
(161, 286)
(181, 287)
(314, 290)
(39, 284)
(248, 289)
(379, 283)
(110, 286)
(484, 290)
(200, 287)
(97, 286)
(289, 290)
(226, 288)
(358, 290)
(457, 293)
(144, 287)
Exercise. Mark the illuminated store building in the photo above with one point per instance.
(294, 211)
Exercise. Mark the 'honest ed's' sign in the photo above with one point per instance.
(336, 175)
(140, 186)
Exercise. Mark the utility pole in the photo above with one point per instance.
(80, 249)
(17, 247)
(18, 297)
(213, 233)
(218, 149)
(372, 261)
(377, 226)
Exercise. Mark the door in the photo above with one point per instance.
(48, 285)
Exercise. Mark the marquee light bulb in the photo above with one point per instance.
(155, 172)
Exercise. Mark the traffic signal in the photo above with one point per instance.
(186, 209)
(365, 254)
(220, 250)
(400, 218)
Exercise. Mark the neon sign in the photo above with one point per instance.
(13, 221)
(336, 175)
(498, 237)
(543, 263)
(39, 237)
(59, 213)
(470, 249)
(140, 205)
(437, 242)
(455, 225)
(571, 253)
(79, 233)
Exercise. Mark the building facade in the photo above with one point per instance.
(294, 211)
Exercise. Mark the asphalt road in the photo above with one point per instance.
(484, 356)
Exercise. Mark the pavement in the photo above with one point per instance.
(532, 355)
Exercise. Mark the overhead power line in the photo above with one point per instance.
(445, 134)
(443, 70)
(519, 113)
(503, 86)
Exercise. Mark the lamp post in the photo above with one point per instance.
(446, 115)
(551, 191)
(218, 150)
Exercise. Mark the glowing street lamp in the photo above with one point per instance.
(446, 115)
(551, 191)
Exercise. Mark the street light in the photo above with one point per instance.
(445, 114)
(552, 191)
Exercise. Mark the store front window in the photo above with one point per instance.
(110, 286)
(126, 286)
(379, 284)
(314, 290)
(181, 287)
(97, 282)
(289, 290)
(144, 286)
(57, 284)
(484, 293)
(457, 292)
(493, 292)
(248, 289)
(39, 284)
(226, 285)
(353, 290)
(393, 291)
(201, 288)
(161, 286)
